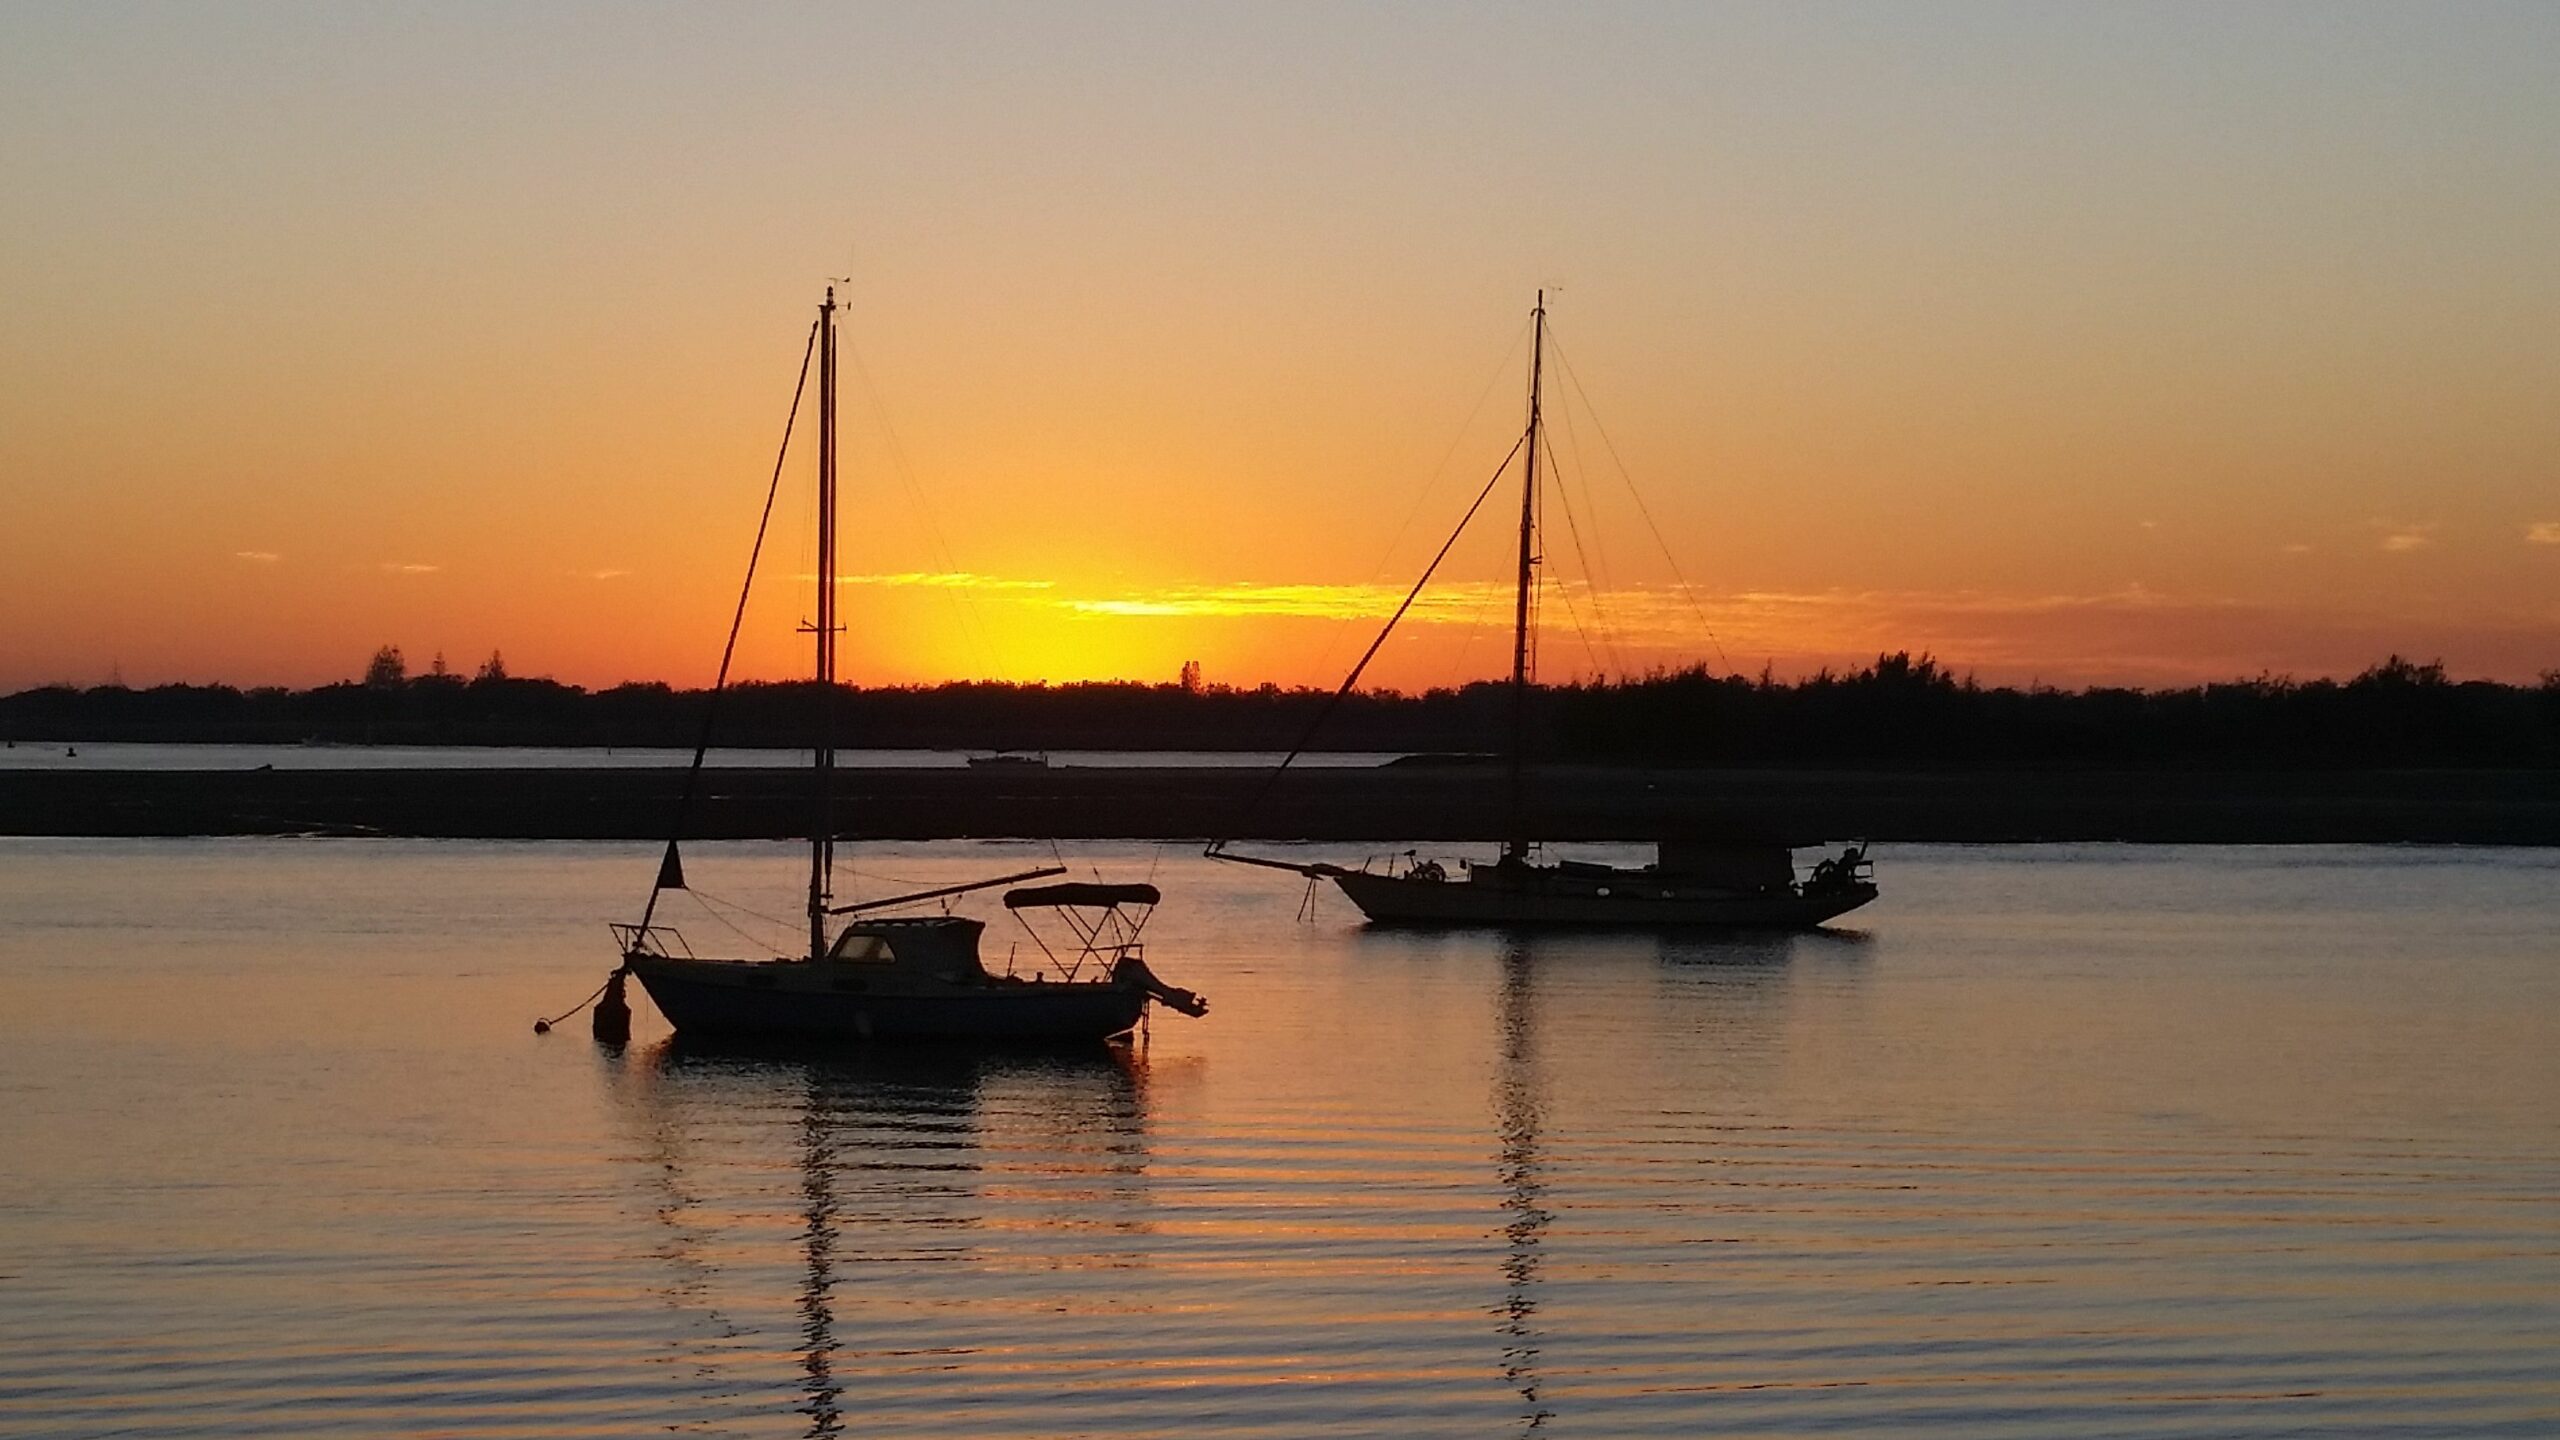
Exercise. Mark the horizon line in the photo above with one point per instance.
(2433, 670)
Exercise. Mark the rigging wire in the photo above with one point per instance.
(1599, 615)
(710, 899)
(1599, 577)
(1686, 591)
(729, 651)
(1590, 505)
(1574, 617)
(972, 623)
(734, 928)
(1423, 494)
(1384, 631)
(888, 879)
(1476, 626)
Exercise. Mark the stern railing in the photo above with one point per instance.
(662, 941)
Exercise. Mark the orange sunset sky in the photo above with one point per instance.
(2073, 343)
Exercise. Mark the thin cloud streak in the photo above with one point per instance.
(394, 567)
(1456, 602)
(2544, 532)
(257, 557)
(2127, 634)
(1635, 613)
(939, 580)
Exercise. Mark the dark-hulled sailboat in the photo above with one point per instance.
(883, 977)
(1728, 884)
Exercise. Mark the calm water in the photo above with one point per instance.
(2062, 1141)
(115, 755)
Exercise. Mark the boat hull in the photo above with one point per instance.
(766, 999)
(1395, 900)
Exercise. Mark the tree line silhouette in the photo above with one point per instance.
(1900, 711)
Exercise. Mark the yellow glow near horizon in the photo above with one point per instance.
(2029, 338)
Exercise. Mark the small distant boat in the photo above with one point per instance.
(1010, 760)
(886, 977)
(1749, 885)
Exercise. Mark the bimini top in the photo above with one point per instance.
(1098, 896)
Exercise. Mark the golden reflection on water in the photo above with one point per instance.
(923, 1145)
(1516, 1103)
(924, 1162)
(2064, 1142)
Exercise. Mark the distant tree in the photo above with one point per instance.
(1190, 677)
(439, 679)
(387, 670)
(494, 668)
(2397, 673)
(1904, 708)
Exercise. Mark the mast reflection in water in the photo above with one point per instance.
(817, 1296)
(882, 1161)
(1517, 1104)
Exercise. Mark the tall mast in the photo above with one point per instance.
(1516, 846)
(822, 833)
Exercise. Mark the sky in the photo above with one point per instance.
(2075, 344)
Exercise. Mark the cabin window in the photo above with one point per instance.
(856, 949)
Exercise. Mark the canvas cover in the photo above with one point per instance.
(1097, 896)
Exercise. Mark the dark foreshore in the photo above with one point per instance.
(1403, 802)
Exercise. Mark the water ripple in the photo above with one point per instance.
(2008, 1165)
